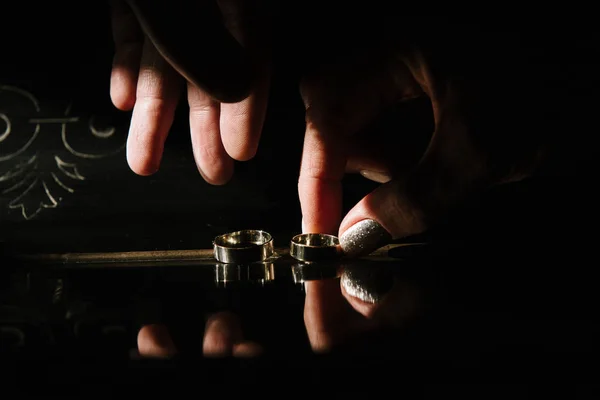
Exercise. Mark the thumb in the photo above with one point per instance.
(450, 169)
(383, 215)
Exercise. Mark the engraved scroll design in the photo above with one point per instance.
(35, 173)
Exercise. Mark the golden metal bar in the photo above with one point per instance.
(161, 257)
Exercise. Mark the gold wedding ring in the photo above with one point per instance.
(243, 247)
(315, 247)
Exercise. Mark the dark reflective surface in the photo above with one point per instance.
(507, 282)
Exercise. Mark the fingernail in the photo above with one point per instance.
(368, 283)
(363, 237)
(376, 176)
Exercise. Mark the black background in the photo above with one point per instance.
(513, 273)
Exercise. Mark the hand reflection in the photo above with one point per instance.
(365, 298)
(362, 298)
(223, 337)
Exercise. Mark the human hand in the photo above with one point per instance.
(475, 142)
(223, 337)
(366, 299)
(162, 46)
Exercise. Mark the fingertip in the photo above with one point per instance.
(142, 162)
(121, 98)
(143, 168)
(237, 141)
(241, 151)
(386, 209)
(219, 176)
(365, 286)
(155, 341)
(365, 308)
(122, 89)
(222, 333)
(381, 298)
(241, 126)
(241, 123)
(247, 349)
(124, 76)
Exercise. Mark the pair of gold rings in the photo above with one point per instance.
(248, 246)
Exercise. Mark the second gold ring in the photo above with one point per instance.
(315, 247)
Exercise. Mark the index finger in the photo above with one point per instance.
(320, 183)
(191, 36)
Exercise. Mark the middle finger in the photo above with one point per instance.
(214, 164)
(158, 90)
